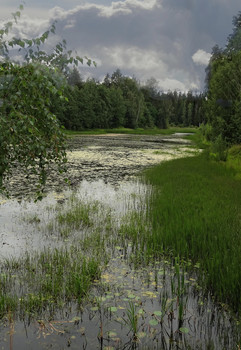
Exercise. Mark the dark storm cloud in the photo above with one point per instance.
(168, 39)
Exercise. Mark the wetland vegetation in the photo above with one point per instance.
(121, 267)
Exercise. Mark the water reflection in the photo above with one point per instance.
(23, 223)
(165, 301)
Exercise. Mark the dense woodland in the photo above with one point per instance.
(122, 101)
(223, 79)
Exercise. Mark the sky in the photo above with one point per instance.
(169, 40)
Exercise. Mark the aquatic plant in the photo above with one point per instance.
(195, 214)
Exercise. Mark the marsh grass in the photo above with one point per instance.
(195, 213)
(46, 281)
(138, 131)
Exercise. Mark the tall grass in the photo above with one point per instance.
(196, 213)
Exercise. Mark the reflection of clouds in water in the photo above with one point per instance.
(24, 224)
(120, 198)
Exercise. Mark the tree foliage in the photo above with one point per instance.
(223, 106)
(30, 133)
(120, 101)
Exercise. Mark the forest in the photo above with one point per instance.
(120, 101)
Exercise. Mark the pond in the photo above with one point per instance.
(71, 271)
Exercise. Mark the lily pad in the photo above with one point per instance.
(153, 322)
(141, 311)
(158, 313)
(184, 330)
(94, 308)
(75, 319)
(112, 334)
(131, 296)
(141, 335)
(113, 309)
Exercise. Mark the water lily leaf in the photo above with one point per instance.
(113, 309)
(184, 330)
(94, 308)
(149, 294)
(75, 319)
(131, 296)
(112, 334)
(153, 322)
(82, 330)
(158, 313)
(141, 335)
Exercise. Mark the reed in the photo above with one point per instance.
(195, 213)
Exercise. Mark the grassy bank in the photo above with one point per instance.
(138, 131)
(195, 213)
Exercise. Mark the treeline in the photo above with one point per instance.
(223, 107)
(120, 101)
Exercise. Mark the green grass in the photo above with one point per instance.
(47, 281)
(44, 282)
(196, 213)
(234, 160)
(139, 131)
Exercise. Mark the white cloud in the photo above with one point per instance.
(127, 6)
(134, 58)
(201, 57)
(174, 84)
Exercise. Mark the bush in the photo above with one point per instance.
(219, 149)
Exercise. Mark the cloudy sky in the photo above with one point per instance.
(169, 40)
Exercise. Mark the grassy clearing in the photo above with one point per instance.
(138, 131)
(195, 213)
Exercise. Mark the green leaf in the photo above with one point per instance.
(184, 330)
(158, 313)
(131, 296)
(94, 308)
(153, 322)
(113, 309)
(79, 59)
